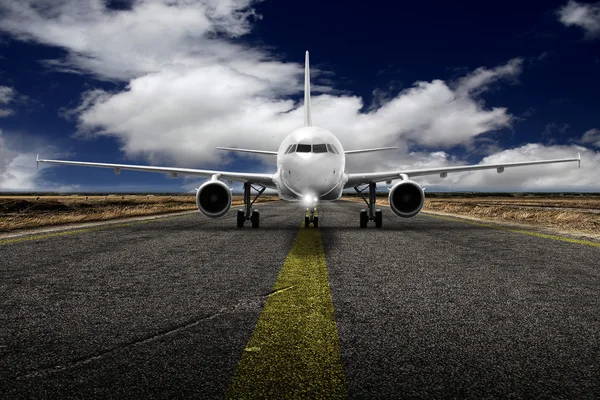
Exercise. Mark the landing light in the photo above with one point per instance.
(310, 199)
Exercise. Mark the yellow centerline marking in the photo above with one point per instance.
(516, 230)
(294, 351)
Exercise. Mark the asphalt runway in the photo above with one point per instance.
(424, 308)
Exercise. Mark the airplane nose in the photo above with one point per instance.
(308, 176)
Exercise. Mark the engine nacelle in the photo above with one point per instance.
(406, 199)
(213, 199)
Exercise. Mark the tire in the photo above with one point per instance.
(378, 219)
(316, 222)
(306, 222)
(255, 218)
(240, 218)
(364, 218)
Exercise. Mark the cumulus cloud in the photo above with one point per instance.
(122, 44)
(585, 16)
(563, 176)
(591, 137)
(190, 87)
(17, 170)
(544, 177)
(162, 117)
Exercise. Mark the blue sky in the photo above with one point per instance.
(164, 82)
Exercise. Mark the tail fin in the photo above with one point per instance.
(307, 119)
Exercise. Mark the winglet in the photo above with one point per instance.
(579, 159)
(37, 161)
(307, 118)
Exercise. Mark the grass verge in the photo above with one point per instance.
(25, 212)
(569, 215)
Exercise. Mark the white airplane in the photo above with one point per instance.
(311, 167)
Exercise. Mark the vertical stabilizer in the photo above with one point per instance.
(307, 119)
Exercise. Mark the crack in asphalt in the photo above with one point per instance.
(244, 304)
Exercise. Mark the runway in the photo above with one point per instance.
(423, 308)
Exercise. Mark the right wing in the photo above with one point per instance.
(261, 179)
(271, 153)
(368, 177)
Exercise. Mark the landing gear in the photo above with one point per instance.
(311, 217)
(247, 213)
(255, 218)
(378, 218)
(240, 218)
(364, 218)
(370, 214)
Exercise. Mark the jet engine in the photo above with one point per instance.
(213, 199)
(406, 199)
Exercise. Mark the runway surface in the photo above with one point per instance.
(423, 308)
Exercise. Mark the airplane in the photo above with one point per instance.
(311, 167)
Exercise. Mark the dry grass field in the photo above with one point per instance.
(23, 212)
(578, 215)
(572, 215)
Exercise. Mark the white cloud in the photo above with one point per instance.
(591, 137)
(17, 170)
(7, 95)
(564, 176)
(585, 16)
(480, 80)
(161, 117)
(190, 88)
(128, 43)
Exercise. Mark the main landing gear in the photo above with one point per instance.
(311, 217)
(247, 213)
(370, 214)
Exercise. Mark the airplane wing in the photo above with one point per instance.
(364, 178)
(369, 150)
(271, 153)
(261, 179)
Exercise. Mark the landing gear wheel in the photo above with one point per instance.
(255, 218)
(306, 222)
(364, 218)
(247, 214)
(240, 218)
(316, 222)
(378, 219)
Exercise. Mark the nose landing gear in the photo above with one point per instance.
(247, 213)
(370, 214)
(311, 217)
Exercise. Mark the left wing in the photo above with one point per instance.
(359, 179)
(261, 179)
(369, 150)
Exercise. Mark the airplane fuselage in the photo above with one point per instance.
(310, 165)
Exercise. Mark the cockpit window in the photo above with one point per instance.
(319, 148)
(289, 149)
(314, 148)
(303, 148)
(332, 148)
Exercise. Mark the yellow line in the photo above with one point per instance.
(81, 230)
(294, 351)
(522, 231)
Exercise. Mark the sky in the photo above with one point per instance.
(163, 82)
